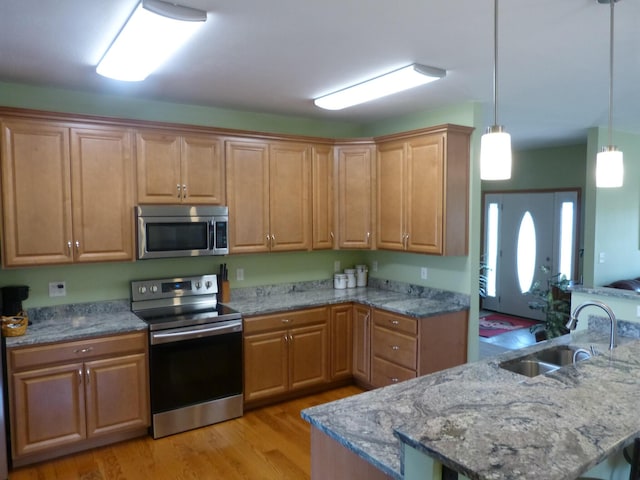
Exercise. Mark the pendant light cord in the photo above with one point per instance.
(612, 2)
(495, 62)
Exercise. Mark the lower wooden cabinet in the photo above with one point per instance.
(70, 396)
(361, 344)
(341, 345)
(285, 352)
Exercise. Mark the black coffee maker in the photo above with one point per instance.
(12, 298)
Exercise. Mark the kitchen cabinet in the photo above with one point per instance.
(71, 396)
(356, 179)
(285, 352)
(422, 191)
(341, 334)
(176, 168)
(67, 192)
(323, 236)
(403, 347)
(361, 344)
(269, 188)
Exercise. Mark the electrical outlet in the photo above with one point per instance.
(638, 311)
(423, 273)
(336, 266)
(374, 265)
(57, 289)
(240, 274)
(602, 257)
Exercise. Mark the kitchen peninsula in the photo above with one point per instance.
(488, 423)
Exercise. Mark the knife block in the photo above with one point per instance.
(224, 291)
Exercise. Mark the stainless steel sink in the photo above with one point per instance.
(541, 362)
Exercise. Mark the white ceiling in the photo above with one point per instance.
(275, 56)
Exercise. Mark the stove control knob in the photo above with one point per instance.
(208, 284)
(142, 290)
(154, 289)
(198, 285)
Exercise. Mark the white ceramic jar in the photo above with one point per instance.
(351, 277)
(340, 281)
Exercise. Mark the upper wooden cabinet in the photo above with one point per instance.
(356, 193)
(269, 187)
(67, 192)
(423, 191)
(179, 168)
(323, 231)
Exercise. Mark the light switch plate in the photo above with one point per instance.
(423, 273)
(57, 289)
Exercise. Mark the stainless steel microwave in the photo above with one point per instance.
(166, 231)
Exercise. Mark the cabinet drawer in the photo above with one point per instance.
(385, 373)
(292, 319)
(29, 357)
(395, 347)
(395, 322)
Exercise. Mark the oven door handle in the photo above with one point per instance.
(190, 334)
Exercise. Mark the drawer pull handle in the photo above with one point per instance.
(395, 347)
(285, 320)
(394, 380)
(80, 376)
(394, 322)
(83, 350)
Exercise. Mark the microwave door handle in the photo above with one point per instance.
(212, 236)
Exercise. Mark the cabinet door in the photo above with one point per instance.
(341, 334)
(102, 192)
(289, 196)
(47, 408)
(265, 365)
(425, 170)
(361, 343)
(322, 193)
(117, 394)
(308, 356)
(202, 170)
(36, 193)
(158, 166)
(355, 197)
(391, 196)
(247, 166)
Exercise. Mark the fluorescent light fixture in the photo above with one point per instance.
(154, 31)
(609, 168)
(495, 154)
(402, 79)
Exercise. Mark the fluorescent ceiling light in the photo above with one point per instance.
(154, 31)
(402, 79)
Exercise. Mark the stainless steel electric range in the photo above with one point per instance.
(195, 352)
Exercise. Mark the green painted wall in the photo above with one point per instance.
(616, 225)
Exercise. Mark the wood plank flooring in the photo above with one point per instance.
(271, 443)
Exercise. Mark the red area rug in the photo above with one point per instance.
(497, 323)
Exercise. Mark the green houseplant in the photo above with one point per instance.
(554, 300)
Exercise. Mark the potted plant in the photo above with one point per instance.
(554, 301)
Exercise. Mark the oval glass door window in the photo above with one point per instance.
(526, 252)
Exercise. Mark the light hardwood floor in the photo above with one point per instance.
(271, 443)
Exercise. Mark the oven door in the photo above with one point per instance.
(166, 237)
(194, 365)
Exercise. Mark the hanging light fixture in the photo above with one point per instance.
(495, 146)
(154, 31)
(609, 164)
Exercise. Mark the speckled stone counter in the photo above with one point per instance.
(490, 423)
(77, 321)
(414, 301)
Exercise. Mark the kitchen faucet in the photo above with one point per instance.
(573, 320)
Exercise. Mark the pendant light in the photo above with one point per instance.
(609, 164)
(495, 146)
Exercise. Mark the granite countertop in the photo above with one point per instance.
(398, 297)
(490, 423)
(78, 321)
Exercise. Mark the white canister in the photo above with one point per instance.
(340, 281)
(351, 277)
(361, 278)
